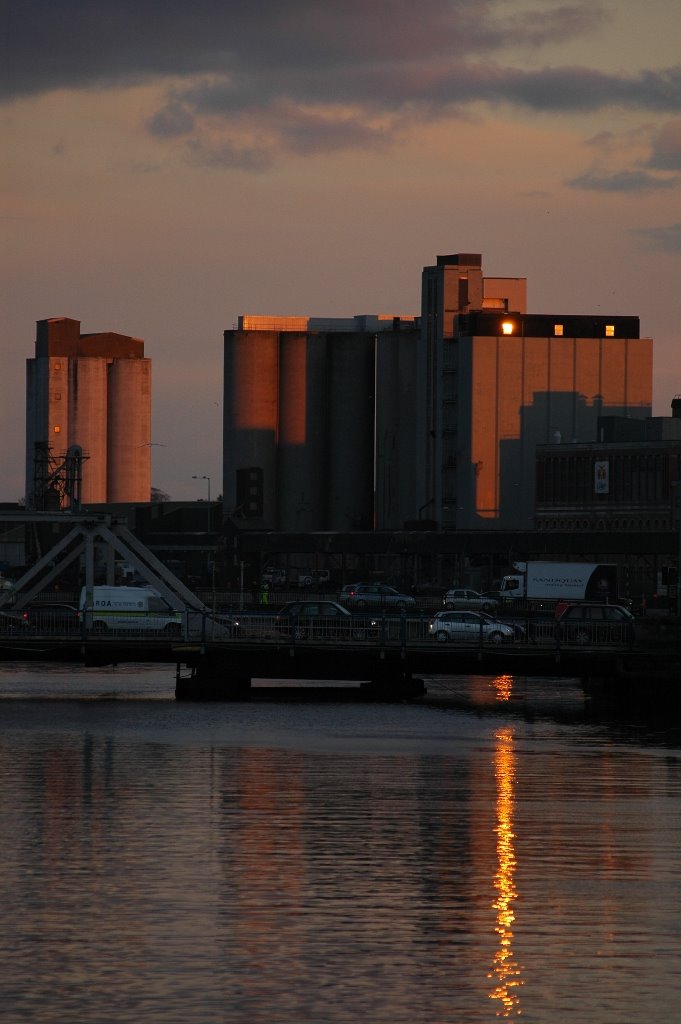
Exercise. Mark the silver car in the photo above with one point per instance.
(469, 627)
(372, 595)
(462, 598)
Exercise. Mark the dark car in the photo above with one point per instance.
(51, 617)
(594, 623)
(375, 595)
(321, 620)
(11, 623)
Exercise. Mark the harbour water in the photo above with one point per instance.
(180, 863)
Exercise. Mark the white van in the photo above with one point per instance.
(129, 608)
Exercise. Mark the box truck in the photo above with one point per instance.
(560, 581)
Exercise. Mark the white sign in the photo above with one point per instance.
(602, 477)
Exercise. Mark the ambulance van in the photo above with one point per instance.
(129, 608)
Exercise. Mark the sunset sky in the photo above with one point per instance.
(168, 165)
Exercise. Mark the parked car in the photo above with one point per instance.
(588, 623)
(51, 617)
(322, 620)
(313, 576)
(460, 598)
(469, 627)
(11, 623)
(365, 595)
(274, 577)
(519, 630)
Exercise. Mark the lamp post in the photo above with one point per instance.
(210, 523)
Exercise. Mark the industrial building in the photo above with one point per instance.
(627, 480)
(374, 422)
(88, 408)
(317, 414)
(497, 381)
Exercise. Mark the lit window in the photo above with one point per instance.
(57, 429)
(507, 327)
(610, 330)
(558, 330)
(57, 366)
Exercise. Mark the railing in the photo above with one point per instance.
(270, 628)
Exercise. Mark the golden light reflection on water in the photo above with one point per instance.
(503, 686)
(506, 972)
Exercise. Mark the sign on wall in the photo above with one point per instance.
(602, 477)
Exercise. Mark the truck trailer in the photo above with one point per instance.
(560, 581)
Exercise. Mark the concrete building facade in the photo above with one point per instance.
(372, 422)
(316, 413)
(628, 479)
(90, 392)
(496, 381)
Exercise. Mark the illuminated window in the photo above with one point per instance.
(57, 366)
(507, 327)
(610, 330)
(57, 429)
(558, 330)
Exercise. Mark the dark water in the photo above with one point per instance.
(167, 862)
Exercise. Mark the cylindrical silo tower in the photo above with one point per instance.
(129, 474)
(87, 423)
(351, 432)
(251, 385)
(302, 431)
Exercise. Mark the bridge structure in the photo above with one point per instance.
(93, 543)
(389, 666)
(216, 661)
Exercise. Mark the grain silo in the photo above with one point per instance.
(251, 388)
(129, 429)
(303, 429)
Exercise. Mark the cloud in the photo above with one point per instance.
(628, 161)
(666, 147)
(623, 181)
(229, 156)
(242, 81)
(80, 44)
(171, 120)
(663, 239)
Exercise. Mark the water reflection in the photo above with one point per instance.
(504, 687)
(506, 970)
(222, 864)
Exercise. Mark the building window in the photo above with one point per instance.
(558, 330)
(57, 366)
(610, 330)
(56, 429)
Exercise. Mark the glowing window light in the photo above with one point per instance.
(507, 327)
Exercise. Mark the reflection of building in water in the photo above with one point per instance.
(506, 971)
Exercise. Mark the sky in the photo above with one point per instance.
(167, 166)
